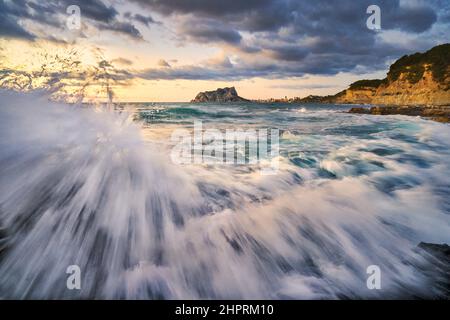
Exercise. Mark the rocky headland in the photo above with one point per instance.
(438, 255)
(219, 95)
(417, 85)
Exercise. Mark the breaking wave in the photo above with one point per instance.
(81, 186)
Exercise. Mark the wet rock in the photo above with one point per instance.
(437, 113)
(359, 110)
(441, 251)
(439, 257)
(3, 239)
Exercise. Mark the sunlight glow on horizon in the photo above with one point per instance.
(23, 55)
(170, 51)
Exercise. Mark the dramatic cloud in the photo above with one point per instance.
(270, 15)
(204, 7)
(53, 13)
(320, 37)
(121, 27)
(265, 38)
(93, 9)
(210, 31)
(213, 69)
(144, 19)
(9, 28)
(412, 19)
(288, 53)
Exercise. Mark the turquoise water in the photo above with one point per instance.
(99, 189)
(310, 133)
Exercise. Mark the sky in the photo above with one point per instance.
(169, 50)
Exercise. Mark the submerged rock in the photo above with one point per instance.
(219, 95)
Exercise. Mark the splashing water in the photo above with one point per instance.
(92, 188)
(64, 77)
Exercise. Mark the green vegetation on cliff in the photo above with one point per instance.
(416, 79)
(375, 83)
(437, 60)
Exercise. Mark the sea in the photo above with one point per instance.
(98, 187)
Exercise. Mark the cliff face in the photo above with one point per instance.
(426, 91)
(418, 79)
(219, 95)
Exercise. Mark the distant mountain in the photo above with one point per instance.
(417, 79)
(219, 95)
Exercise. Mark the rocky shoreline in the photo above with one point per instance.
(436, 113)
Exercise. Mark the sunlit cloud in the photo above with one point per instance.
(231, 41)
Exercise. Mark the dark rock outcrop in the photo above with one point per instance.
(219, 95)
(437, 113)
(3, 239)
(360, 110)
(441, 251)
(438, 256)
